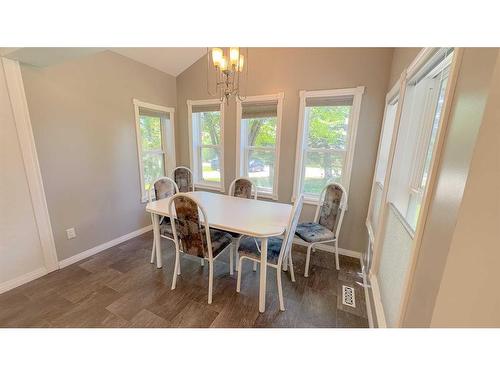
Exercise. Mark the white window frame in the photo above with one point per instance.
(416, 191)
(167, 142)
(357, 94)
(242, 148)
(392, 97)
(193, 145)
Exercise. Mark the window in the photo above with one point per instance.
(155, 143)
(386, 136)
(385, 140)
(420, 119)
(325, 145)
(258, 138)
(206, 119)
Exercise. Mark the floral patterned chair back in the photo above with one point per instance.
(183, 177)
(331, 208)
(242, 187)
(189, 232)
(163, 187)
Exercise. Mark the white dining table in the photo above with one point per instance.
(250, 217)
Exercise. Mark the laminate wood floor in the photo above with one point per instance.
(120, 288)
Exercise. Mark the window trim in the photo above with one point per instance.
(395, 95)
(357, 94)
(418, 162)
(192, 145)
(240, 147)
(168, 140)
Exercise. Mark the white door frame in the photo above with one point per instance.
(24, 130)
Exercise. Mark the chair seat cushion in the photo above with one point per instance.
(166, 229)
(248, 247)
(234, 234)
(220, 240)
(314, 232)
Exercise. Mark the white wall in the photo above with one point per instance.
(468, 105)
(469, 293)
(84, 127)
(20, 247)
(289, 70)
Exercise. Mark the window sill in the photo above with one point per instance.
(209, 187)
(312, 201)
(266, 195)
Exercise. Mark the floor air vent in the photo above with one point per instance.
(348, 297)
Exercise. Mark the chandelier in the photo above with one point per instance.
(230, 72)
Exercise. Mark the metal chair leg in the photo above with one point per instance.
(238, 282)
(292, 273)
(308, 258)
(231, 260)
(153, 253)
(176, 267)
(210, 280)
(280, 288)
(237, 255)
(337, 265)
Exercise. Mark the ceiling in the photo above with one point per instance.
(171, 60)
(45, 56)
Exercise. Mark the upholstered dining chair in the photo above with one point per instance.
(194, 238)
(241, 187)
(325, 228)
(183, 177)
(163, 187)
(279, 251)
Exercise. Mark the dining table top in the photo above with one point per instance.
(251, 217)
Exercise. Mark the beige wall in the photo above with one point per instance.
(469, 294)
(83, 122)
(289, 70)
(466, 115)
(401, 58)
(20, 247)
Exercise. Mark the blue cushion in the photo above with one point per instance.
(314, 232)
(166, 229)
(220, 240)
(248, 247)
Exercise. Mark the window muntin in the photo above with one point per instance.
(207, 143)
(259, 127)
(326, 140)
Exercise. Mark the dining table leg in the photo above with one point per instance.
(157, 239)
(263, 275)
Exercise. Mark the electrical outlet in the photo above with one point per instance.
(70, 233)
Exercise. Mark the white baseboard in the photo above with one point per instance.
(23, 279)
(97, 249)
(330, 249)
(379, 308)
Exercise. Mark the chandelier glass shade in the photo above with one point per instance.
(227, 72)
